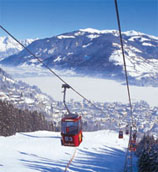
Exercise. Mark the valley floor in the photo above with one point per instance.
(98, 90)
(41, 151)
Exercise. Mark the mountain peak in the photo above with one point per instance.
(133, 33)
(8, 46)
(91, 30)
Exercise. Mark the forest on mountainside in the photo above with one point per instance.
(14, 120)
(147, 151)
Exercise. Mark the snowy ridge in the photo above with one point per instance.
(8, 46)
(127, 33)
(94, 31)
(133, 33)
(96, 53)
(64, 36)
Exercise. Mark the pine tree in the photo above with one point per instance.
(147, 151)
(14, 120)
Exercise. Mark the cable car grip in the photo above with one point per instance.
(65, 86)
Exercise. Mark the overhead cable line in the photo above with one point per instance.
(124, 60)
(129, 157)
(46, 66)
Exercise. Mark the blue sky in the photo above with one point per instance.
(46, 18)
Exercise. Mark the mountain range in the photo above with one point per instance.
(96, 53)
(9, 47)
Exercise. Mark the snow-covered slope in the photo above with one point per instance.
(100, 151)
(9, 47)
(97, 53)
(23, 95)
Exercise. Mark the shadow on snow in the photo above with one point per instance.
(44, 137)
(41, 164)
(104, 160)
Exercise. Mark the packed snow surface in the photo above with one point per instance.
(100, 151)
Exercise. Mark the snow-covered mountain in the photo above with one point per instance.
(96, 53)
(24, 96)
(9, 47)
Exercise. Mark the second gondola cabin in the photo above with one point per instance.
(120, 134)
(132, 146)
(71, 130)
(127, 130)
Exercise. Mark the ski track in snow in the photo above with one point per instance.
(100, 151)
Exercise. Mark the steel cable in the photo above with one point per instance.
(54, 73)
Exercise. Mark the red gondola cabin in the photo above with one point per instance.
(132, 146)
(120, 134)
(71, 130)
(127, 130)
